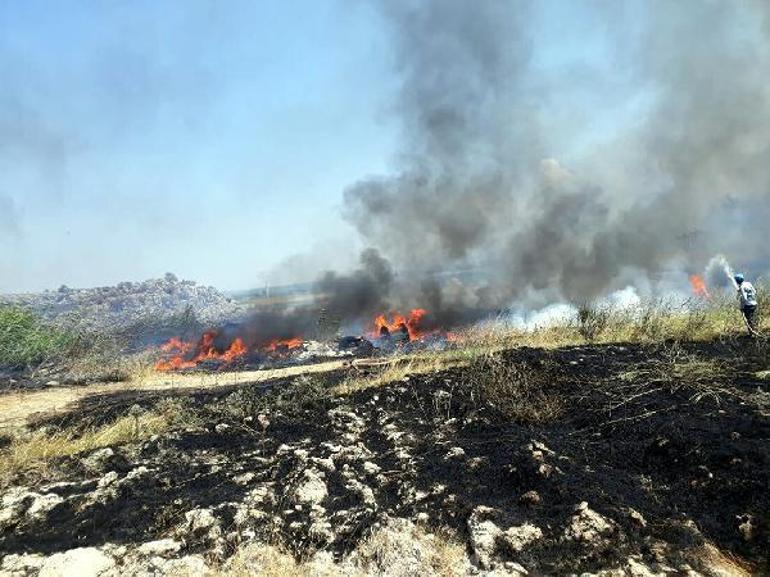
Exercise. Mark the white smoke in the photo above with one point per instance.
(626, 300)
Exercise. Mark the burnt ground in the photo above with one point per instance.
(668, 444)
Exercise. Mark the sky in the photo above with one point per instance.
(215, 140)
(208, 139)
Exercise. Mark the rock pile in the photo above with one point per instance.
(118, 308)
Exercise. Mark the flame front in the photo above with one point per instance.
(205, 350)
(236, 349)
(699, 287)
(181, 355)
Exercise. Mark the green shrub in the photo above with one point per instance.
(25, 341)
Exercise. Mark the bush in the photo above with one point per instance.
(26, 342)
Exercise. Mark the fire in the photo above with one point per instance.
(176, 345)
(204, 350)
(180, 354)
(453, 337)
(699, 287)
(173, 364)
(281, 344)
(237, 349)
(398, 322)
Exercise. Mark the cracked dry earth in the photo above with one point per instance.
(670, 478)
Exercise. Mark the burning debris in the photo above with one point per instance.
(179, 355)
(409, 326)
(283, 346)
(215, 350)
(186, 355)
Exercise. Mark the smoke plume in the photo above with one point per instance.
(475, 187)
(360, 293)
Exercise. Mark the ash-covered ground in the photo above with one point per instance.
(606, 460)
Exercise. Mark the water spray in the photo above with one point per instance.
(720, 263)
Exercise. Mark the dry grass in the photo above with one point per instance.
(520, 392)
(398, 368)
(702, 378)
(448, 556)
(262, 560)
(38, 449)
(712, 561)
(110, 366)
(651, 322)
(677, 365)
(412, 553)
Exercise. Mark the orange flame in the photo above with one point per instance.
(173, 364)
(699, 287)
(187, 355)
(176, 345)
(205, 350)
(236, 349)
(279, 344)
(399, 322)
(453, 337)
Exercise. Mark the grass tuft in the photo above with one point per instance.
(383, 553)
(263, 560)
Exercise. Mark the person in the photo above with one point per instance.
(747, 299)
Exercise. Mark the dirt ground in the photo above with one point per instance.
(18, 407)
(663, 450)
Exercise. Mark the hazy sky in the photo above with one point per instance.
(215, 139)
